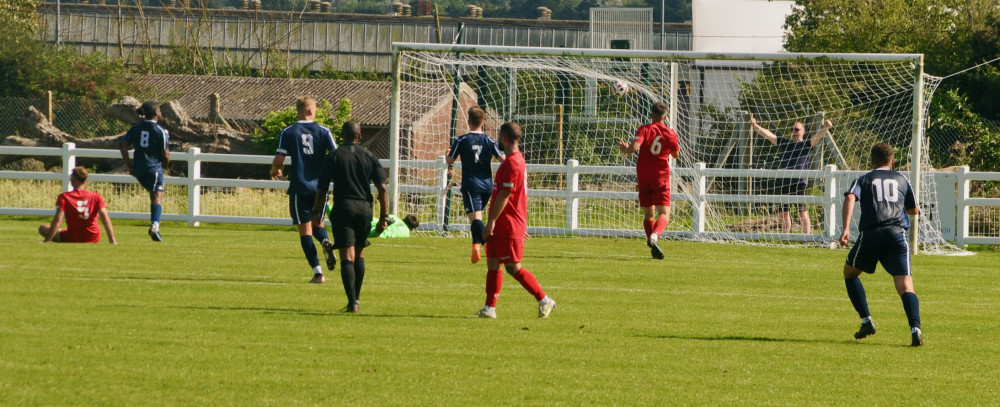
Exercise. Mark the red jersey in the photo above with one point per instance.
(656, 143)
(80, 208)
(511, 176)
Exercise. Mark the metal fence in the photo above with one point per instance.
(83, 118)
(300, 40)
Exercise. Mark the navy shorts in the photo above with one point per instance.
(886, 245)
(152, 181)
(351, 223)
(795, 188)
(474, 201)
(300, 207)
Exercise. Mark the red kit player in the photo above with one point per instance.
(507, 226)
(656, 143)
(81, 208)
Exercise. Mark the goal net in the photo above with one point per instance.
(727, 182)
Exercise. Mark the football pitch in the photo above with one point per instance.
(223, 315)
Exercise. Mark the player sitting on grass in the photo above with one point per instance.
(476, 150)
(507, 226)
(79, 207)
(886, 198)
(656, 143)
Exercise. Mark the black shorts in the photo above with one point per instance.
(152, 181)
(795, 188)
(886, 245)
(475, 201)
(352, 223)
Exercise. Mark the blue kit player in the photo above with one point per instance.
(886, 198)
(306, 143)
(151, 143)
(476, 150)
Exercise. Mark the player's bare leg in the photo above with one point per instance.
(806, 222)
(476, 247)
(786, 222)
(44, 231)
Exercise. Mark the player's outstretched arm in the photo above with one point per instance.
(847, 213)
(821, 133)
(108, 228)
(627, 148)
(54, 226)
(765, 133)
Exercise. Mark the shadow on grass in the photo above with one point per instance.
(186, 279)
(761, 339)
(301, 311)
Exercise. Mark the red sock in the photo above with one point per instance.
(529, 283)
(647, 225)
(494, 280)
(661, 225)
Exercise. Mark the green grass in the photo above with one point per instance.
(222, 315)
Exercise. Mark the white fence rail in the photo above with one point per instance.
(949, 184)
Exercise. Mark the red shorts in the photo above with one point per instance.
(505, 249)
(654, 192)
(66, 237)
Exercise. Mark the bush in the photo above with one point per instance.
(266, 139)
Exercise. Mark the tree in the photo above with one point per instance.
(952, 35)
(266, 139)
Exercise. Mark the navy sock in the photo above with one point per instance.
(310, 250)
(912, 308)
(359, 276)
(856, 292)
(347, 275)
(155, 210)
(320, 234)
(477, 231)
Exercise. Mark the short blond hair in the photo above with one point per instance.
(303, 102)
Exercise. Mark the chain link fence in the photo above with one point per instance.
(82, 118)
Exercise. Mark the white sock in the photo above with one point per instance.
(317, 270)
(545, 300)
(155, 226)
(914, 330)
(653, 237)
(866, 320)
(488, 308)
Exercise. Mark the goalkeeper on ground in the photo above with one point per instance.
(397, 227)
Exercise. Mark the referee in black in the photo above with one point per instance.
(351, 168)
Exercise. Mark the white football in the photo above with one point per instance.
(621, 88)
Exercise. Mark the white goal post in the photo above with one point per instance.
(564, 100)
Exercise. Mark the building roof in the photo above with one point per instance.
(245, 98)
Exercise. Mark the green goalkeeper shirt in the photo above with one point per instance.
(397, 228)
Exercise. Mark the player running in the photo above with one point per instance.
(152, 152)
(656, 143)
(476, 150)
(79, 208)
(307, 143)
(507, 225)
(886, 198)
(352, 169)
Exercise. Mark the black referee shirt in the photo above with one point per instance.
(352, 168)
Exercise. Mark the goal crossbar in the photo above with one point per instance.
(662, 55)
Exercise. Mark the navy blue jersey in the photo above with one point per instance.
(149, 141)
(884, 195)
(477, 151)
(352, 169)
(307, 143)
(795, 155)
